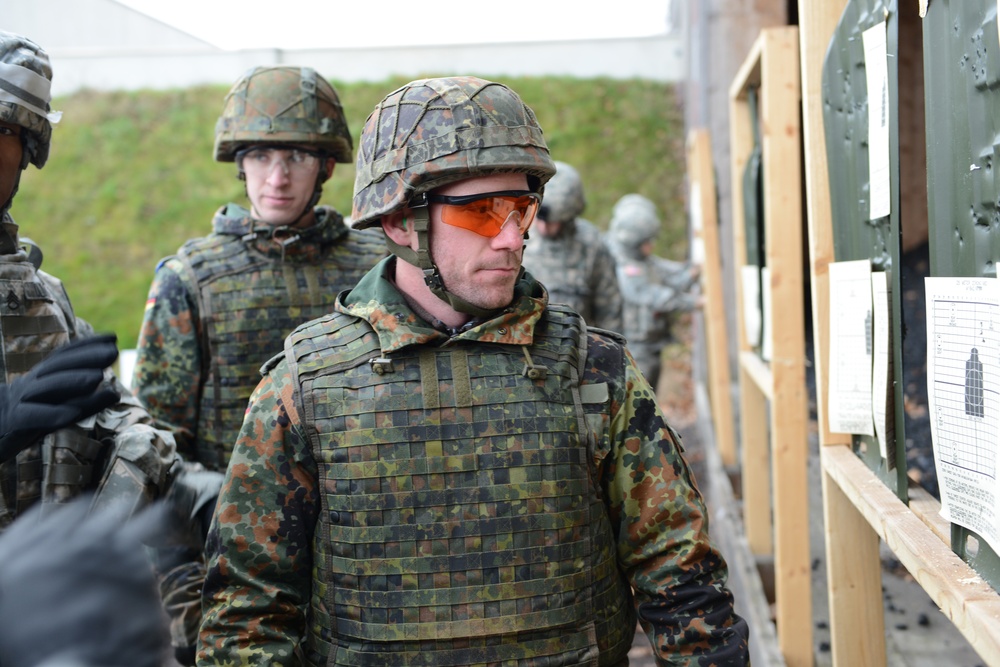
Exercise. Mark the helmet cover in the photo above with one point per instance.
(564, 200)
(282, 105)
(633, 221)
(432, 132)
(25, 94)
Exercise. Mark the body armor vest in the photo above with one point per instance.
(248, 302)
(461, 521)
(35, 318)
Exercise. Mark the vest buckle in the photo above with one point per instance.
(380, 365)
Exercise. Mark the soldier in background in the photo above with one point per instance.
(66, 426)
(223, 305)
(653, 288)
(449, 470)
(567, 254)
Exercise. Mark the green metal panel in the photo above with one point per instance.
(753, 209)
(845, 120)
(962, 88)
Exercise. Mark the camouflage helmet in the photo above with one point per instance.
(282, 105)
(25, 93)
(564, 200)
(432, 132)
(633, 222)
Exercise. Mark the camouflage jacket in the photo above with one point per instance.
(577, 269)
(653, 288)
(261, 546)
(116, 450)
(196, 368)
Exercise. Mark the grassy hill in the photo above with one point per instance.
(131, 176)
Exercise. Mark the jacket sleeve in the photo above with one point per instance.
(257, 589)
(658, 514)
(167, 377)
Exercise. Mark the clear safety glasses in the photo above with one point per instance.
(486, 213)
(262, 160)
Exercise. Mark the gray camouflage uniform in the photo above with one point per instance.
(653, 288)
(575, 265)
(116, 453)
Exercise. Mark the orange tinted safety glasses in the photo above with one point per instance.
(487, 213)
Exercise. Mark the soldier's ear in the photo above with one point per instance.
(398, 226)
(331, 164)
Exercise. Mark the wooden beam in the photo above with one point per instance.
(817, 21)
(781, 141)
(971, 604)
(702, 178)
(758, 372)
(854, 579)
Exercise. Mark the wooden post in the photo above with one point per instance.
(702, 178)
(857, 622)
(772, 65)
(754, 438)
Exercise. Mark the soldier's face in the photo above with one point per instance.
(280, 192)
(10, 160)
(477, 268)
(547, 229)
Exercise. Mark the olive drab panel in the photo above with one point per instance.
(753, 220)
(962, 65)
(856, 235)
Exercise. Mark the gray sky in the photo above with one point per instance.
(237, 24)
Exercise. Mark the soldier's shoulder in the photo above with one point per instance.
(588, 231)
(606, 336)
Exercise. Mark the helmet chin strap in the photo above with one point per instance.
(421, 258)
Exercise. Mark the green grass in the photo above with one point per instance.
(131, 176)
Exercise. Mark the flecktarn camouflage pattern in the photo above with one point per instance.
(282, 105)
(24, 98)
(488, 497)
(223, 306)
(432, 132)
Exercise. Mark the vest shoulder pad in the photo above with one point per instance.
(608, 333)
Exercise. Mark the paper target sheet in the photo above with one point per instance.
(963, 387)
(850, 384)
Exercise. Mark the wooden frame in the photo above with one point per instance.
(773, 401)
(859, 509)
(705, 226)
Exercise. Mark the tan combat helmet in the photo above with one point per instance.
(432, 132)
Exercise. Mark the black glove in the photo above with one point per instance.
(81, 588)
(63, 388)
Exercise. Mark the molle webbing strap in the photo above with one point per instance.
(460, 378)
(429, 379)
(313, 278)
